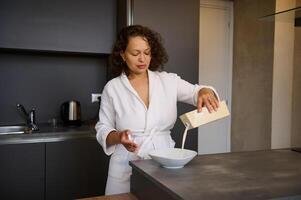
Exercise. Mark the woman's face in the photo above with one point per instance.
(137, 55)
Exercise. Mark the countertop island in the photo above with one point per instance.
(271, 174)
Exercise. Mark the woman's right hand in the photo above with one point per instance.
(126, 142)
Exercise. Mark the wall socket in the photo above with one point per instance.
(94, 97)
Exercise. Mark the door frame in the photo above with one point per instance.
(225, 5)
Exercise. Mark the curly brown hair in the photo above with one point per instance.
(158, 53)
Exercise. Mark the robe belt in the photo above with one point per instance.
(147, 133)
(150, 134)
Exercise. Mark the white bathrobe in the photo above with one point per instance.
(122, 108)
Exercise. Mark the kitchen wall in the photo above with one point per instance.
(296, 108)
(282, 77)
(252, 75)
(45, 81)
(51, 52)
(178, 23)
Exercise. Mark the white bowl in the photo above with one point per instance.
(172, 157)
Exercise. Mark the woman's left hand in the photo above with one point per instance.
(207, 98)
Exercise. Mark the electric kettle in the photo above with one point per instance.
(71, 113)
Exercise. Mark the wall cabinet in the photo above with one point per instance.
(68, 26)
(71, 169)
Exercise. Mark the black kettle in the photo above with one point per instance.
(71, 113)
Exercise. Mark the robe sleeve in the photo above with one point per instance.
(106, 122)
(188, 93)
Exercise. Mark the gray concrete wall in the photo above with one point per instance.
(252, 75)
(296, 106)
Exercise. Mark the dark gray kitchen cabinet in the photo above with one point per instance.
(75, 169)
(22, 171)
(69, 169)
(58, 25)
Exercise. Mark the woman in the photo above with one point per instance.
(139, 106)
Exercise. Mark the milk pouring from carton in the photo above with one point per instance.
(195, 119)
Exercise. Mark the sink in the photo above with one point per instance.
(5, 130)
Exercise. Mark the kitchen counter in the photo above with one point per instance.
(52, 163)
(47, 133)
(271, 174)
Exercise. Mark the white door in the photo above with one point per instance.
(215, 68)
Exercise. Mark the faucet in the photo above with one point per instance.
(30, 118)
